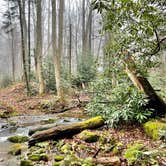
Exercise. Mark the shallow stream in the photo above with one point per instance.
(22, 125)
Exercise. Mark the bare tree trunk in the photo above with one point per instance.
(70, 49)
(143, 84)
(25, 34)
(13, 59)
(29, 38)
(39, 46)
(23, 46)
(88, 32)
(58, 51)
(83, 28)
(12, 46)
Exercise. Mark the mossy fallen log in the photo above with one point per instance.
(66, 131)
(41, 128)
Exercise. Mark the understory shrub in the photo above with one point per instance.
(5, 81)
(49, 74)
(86, 71)
(118, 105)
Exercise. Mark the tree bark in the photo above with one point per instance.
(29, 39)
(39, 46)
(66, 131)
(58, 51)
(70, 49)
(23, 46)
(83, 29)
(155, 102)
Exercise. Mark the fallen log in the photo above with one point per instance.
(41, 128)
(66, 131)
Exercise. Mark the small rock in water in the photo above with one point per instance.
(18, 139)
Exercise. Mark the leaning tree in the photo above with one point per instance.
(138, 30)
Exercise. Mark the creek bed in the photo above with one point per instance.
(22, 126)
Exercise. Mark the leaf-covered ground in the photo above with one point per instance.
(112, 142)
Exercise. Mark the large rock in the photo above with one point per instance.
(26, 163)
(153, 128)
(88, 136)
(18, 139)
(108, 161)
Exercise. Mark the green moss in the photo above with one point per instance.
(48, 121)
(34, 157)
(131, 154)
(66, 148)
(18, 139)
(15, 149)
(58, 158)
(39, 151)
(11, 123)
(96, 120)
(152, 128)
(118, 148)
(38, 157)
(26, 163)
(42, 144)
(88, 136)
(56, 163)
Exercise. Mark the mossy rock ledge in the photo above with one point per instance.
(18, 139)
(88, 136)
(26, 163)
(152, 128)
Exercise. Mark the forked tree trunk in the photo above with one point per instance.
(155, 102)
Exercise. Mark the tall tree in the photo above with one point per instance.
(39, 46)
(9, 25)
(20, 4)
(29, 38)
(58, 48)
(83, 28)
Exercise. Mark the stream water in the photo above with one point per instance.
(24, 123)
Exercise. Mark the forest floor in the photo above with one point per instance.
(14, 99)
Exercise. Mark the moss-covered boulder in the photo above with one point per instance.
(18, 139)
(131, 154)
(26, 163)
(34, 157)
(56, 163)
(88, 136)
(16, 149)
(38, 157)
(58, 158)
(152, 128)
(66, 148)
